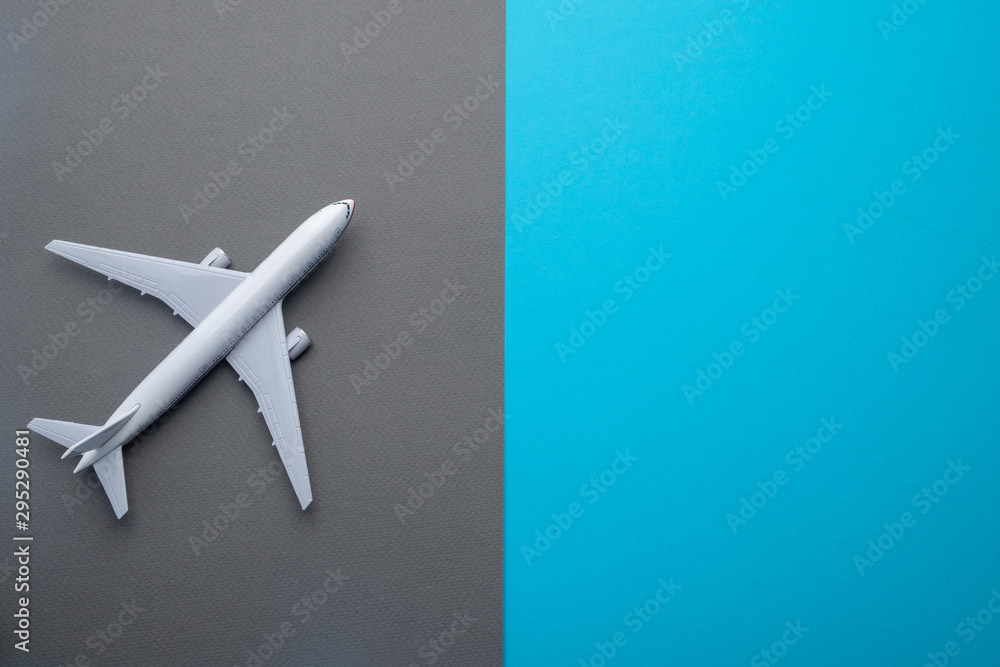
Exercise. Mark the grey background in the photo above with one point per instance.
(353, 121)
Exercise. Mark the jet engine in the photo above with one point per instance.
(217, 258)
(298, 342)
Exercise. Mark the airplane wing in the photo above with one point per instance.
(261, 359)
(192, 290)
(111, 471)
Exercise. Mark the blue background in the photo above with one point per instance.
(826, 357)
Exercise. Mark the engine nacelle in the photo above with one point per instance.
(217, 258)
(298, 342)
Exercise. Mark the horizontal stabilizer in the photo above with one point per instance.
(66, 434)
(101, 436)
(111, 471)
(79, 438)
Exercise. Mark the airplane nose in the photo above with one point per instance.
(350, 207)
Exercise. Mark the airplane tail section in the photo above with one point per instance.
(98, 438)
(66, 434)
(111, 471)
(80, 438)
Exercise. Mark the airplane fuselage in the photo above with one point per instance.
(215, 336)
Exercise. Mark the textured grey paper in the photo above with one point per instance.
(353, 580)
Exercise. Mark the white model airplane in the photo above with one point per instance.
(236, 316)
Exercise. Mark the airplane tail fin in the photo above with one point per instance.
(66, 434)
(80, 438)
